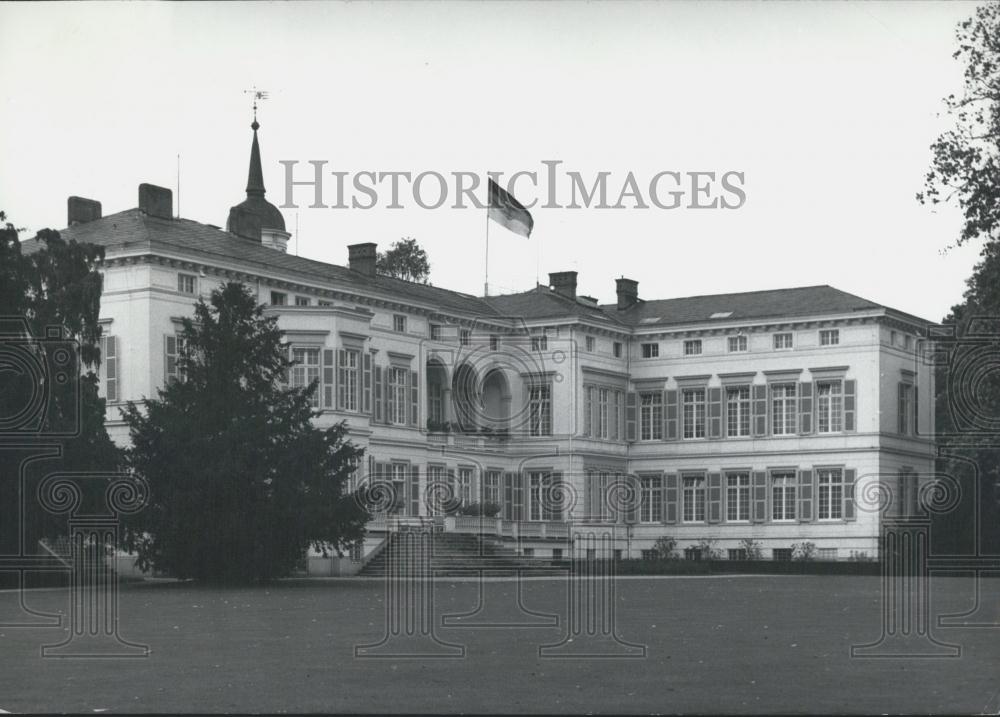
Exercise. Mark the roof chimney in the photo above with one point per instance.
(156, 201)
(563, 283)
(361, 257)
(81, 211)
(628, 292)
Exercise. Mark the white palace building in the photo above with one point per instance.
(759, 415)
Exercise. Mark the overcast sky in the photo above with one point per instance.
(827, 108)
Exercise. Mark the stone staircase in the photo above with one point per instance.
(458, 554)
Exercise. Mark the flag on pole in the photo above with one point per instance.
(508, 212)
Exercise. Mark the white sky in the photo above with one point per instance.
(828, 108)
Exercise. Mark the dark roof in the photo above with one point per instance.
(134, 230)
(751, 305)
(543, 303)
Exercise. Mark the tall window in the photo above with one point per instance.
(541, 502)
(603, 408)
(694, 499)
(186, 283)
(399, 323)
(783, 495)
(616, 417)
(174, 347)
(491, 487)
(783, 409)
(349, 369)
(588, 410)
(692, 347)
(651, 499)
(905, 407)
(829, 337)
(396, 402)
(650, 350)
(694, 413)
(651, 416)
(435, 402)
(540, 410)
(737, 496)
(783, 341)
(306, 370)
(829, 407)
(738, 411)
(398, 477)
(737, 344)
(108, 370)
(831, 493)
(463, 490)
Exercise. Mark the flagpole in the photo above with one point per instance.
(486, 278)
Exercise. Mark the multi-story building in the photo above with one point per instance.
(765, 415)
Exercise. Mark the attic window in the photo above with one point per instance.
(721, 315)
(649, 320)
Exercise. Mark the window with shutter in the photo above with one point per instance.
(368, 382)
(109, 369)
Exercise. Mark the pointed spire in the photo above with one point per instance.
(255, 178)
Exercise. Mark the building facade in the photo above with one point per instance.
(766, 416)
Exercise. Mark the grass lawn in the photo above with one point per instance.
(760, 644)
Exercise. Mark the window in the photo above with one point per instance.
(782, 341)
(302, 301)
(694, 499)
(907, 342)
(557, 553)
(494, 342)
(829, 337)
(528, 552)
(590, 342)
(463, 490)
(464, 337)
(616, 417)
(692, 347)
(349, 384)
(692, 553)
(737, 496)
(905, 407)
(617, 553)
(737, 553)
(783, 409)
(324, 302)
(737, 411)
(649, 554)
(827, 553)
(616, 349)
(306, 370)
(603, 409)
(650, 350)
(694, 412)
(829, 407)
(781, 554)
(278, 298)
(396, 403)
(737, 344)
(908, 493)
(651, 499)
(173, 348)
(399, 323)
(435, 332)
(588, 410)
(540, 410)
(651, 416)
(783, 495)
(539, 343)
(893, 338)
(541, 500)
(108, 372)
(186, 283)
(491, 487)
(831, 493)
(397, 474)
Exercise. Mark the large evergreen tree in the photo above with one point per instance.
(50, 299)
(241, 481)
(965, 168)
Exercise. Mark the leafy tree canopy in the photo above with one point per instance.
(404, 260)
(241, 481)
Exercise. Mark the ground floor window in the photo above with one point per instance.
(831, 493)
(827, 553)
(692, 553)
(783, 495)
(651, 499)
(737, 554)
(781, 554)
(737, 496)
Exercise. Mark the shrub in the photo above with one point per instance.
(752, 549)
(860, 556)
(707, 549)
(804, 551)
(664, 548)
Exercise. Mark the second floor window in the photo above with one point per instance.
(737, 411)
(829, 407)
(616, 349)
(302, 301)
(108, 372)
(399, 323)
(782, 341)
(464, 337)
(590, 342)
(692, 347)
(278, 298)
(783, 409)
(650, 350)
(651, 416)
(494, 342)
(539, 343)
(829, 337)
(905, 407)
(694, 412)
(540, 411)
(435, 332)
(306, 370)
(187, 284)
(396, 402)
(737, 344)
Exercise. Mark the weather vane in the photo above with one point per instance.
(257, 95)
